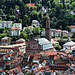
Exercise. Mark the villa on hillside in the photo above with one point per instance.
(72, 28)
(7, 24)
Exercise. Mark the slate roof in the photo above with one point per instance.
(70, 43)
(68, 72)
(45, 44)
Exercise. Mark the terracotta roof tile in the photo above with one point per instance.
(19, 68)
(72, 26)
(31, 4)
(5, 21)
(15, 28)
(56, 57)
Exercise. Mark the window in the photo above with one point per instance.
(33, 45)
(7, 25)
(33, 52)
(2, 25)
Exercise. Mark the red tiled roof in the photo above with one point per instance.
(60, 65)
(58, 30)
(15, 28)
(72, 26)
(56, 57)
(2, 71)
(30, 26)
(37, 57)
(19, 68)
(53, 29)
(31, 4)
(5, 21)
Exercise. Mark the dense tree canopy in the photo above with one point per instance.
(58, 11)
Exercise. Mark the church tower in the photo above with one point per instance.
(47, 29)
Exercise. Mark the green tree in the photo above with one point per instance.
(1, 30)
(2, 1)
(61, 42)
(23, 35)
(73, 36)
(26, 20)
(30, 36)
(27, 30)
(36, 14)
(68, 28)
(60, 27)
(3, 35)
(11, 11)
(37, 30)
(57, 47)
(19, 20)
(1, 12)
(34, 25)
(30, 74)
(14, 38)
(65, 36)
(23, 9)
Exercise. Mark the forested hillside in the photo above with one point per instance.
(58, 11)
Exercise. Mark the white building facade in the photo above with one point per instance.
(15, 28)
(17, 25)
(35, 22)
(7, 24)
(69, 45)
(72, 28)
(15, 31)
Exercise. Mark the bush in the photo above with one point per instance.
(65, 36)
(57, 47)
(73, 36)
(61, 42)
(30, 74)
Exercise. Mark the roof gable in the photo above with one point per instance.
(45, 44)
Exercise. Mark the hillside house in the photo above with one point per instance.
(15, 31)
(5, 41)
(17, 25)
(69, 45)
(6, 24)
(72, 28)
(64, 32)
(35, 22)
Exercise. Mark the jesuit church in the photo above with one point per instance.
(39, 44)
